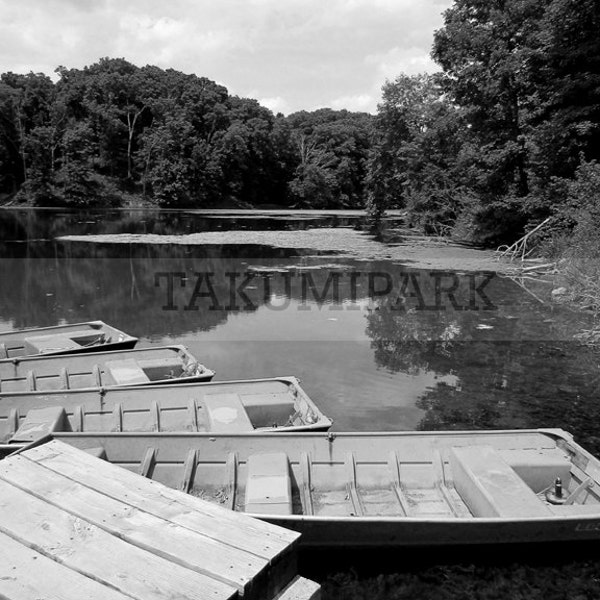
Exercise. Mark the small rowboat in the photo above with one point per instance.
(92, 336)
(277, 404)
(380, 489)
(157, 365)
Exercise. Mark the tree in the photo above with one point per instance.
(331, 153)
(415, 162)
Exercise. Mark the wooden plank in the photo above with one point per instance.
(96, 375)
(586, 484)
(241, 531)
(78, 418)
(63, 377)
(446, 487)
(231, 485)
(13, 421)
(117, 416)
(306, 485)
(151, 533)
(193, 415)
(301, 589)
(394, 469)
(357, 504)
(28, 574)
(3, 351)
(93, 552)
(30, 383)
(155, 413)
(147, 465)
(189, 471)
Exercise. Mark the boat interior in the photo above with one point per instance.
(61, 339)
(99, 370)
(242, 406)
(532, 476)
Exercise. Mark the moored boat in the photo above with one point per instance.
(381, 489)
(92, 336)
(277, 404)
(155, 365)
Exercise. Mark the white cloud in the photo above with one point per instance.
(277, 104)
(295, 54)
(359, 103)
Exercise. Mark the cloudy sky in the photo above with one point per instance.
(288, 54)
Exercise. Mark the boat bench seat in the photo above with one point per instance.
(490, 487)
(268, 484)
(126, 372)
(39, 422)
(226, 413)
(49, 343)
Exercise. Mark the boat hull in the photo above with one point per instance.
(146, 366)
(372, 490)
(77, 338)
(272, 405)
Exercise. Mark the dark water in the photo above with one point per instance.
(377, 345)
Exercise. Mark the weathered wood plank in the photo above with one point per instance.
(237, 529)
(301, 589)
(193, 415)
(394, 469)
(148, 463)
(93, 552)
(231, 485)
(446, 486)
(155, 412)
(189, 471)
(97, 375)
(27, 574)
(30, 383)
(63, 377)
(78, 418)
(353, 493)
(117, 416)
(305, 469)
(178, 544)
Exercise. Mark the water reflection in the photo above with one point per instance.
(377, 345)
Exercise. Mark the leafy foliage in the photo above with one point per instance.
(179, 140)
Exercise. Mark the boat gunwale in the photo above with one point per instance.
(91, 355)
(98, 322)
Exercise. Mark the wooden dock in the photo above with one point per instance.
(74, 526)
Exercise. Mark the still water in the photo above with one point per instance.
(378, 345)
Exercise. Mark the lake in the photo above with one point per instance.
(377, 344)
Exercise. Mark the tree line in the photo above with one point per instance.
(508, 133)
(504, 136)
(113, 129)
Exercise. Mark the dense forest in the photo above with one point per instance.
(505, 135)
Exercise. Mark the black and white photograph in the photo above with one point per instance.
(300, 300)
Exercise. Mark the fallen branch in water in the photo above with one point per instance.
(520, 246)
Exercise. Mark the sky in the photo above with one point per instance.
(288, 54)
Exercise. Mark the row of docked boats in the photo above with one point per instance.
(217, 441)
